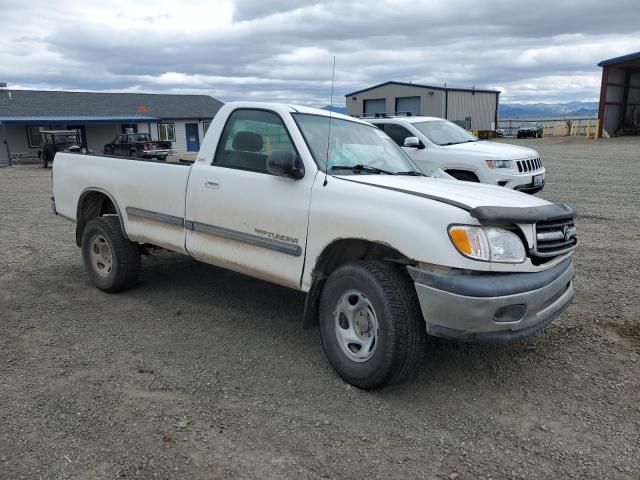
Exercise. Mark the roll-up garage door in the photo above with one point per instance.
(408, 105)
(371, 107)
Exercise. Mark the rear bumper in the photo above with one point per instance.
(493, 307)
(156, 153)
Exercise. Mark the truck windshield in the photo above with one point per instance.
(443, 132)
(359, 148)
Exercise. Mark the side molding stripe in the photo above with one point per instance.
(158, 217)
(268, 243)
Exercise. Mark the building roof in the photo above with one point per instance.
(419, 85)
(57, 104)
(623, 59)
(57, 119)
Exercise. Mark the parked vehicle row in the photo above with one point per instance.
(137, 145)
(330, 205)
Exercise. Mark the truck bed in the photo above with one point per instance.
(135, 186)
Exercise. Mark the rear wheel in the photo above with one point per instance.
(111, 260)
(133, 154)
(371, 326)
(107, 151)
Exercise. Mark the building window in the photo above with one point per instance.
(205, 127)
(167, 132)
(33, 135)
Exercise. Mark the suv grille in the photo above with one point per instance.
(555, 238)
(529, 165)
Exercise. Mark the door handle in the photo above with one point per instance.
(212, 183)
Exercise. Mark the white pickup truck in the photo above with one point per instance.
(435, 145)
(334, 208)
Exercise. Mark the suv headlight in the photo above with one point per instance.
(499, 164)
(488, 244)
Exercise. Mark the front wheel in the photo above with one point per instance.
(371, 325)
(111, 260)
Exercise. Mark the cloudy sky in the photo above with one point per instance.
(531, 50)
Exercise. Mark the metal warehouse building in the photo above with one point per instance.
(468, 107)
(619, 111)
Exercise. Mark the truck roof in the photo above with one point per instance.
(292, 108)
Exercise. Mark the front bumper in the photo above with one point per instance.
(493, 307)
(512, 179)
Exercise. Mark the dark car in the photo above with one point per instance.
(54, 141)
(530, 129)
(138, 145)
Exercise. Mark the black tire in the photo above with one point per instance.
(133, 154)
(107, 151)
(465, 177)
(162, 158)
(44, 159)
(125, 255)
(401, 338)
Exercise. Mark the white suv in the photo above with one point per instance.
(437, 144)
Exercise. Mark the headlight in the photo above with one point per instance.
(488, 244)
(499, 164)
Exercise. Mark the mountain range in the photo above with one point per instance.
(545, 110)
(530, 110)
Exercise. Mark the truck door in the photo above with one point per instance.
(241, 217)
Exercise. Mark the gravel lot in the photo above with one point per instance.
(202, 373)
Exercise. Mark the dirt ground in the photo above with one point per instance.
(202, 373)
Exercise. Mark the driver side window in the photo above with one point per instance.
(249, 137)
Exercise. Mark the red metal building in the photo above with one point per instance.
(619, 112)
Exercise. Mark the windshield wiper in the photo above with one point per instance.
(412, 173)
(361, 168)
(456, 143)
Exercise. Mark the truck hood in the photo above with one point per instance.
(466, 195)
(494, 150)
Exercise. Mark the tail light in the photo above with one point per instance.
(147, 146)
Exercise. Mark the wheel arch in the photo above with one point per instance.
(456, 171)
(337, 253)
(95, 202)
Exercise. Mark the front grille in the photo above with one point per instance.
(555, 238)
(529, 165)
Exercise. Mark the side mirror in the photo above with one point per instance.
(413, 142)
(285, 163)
